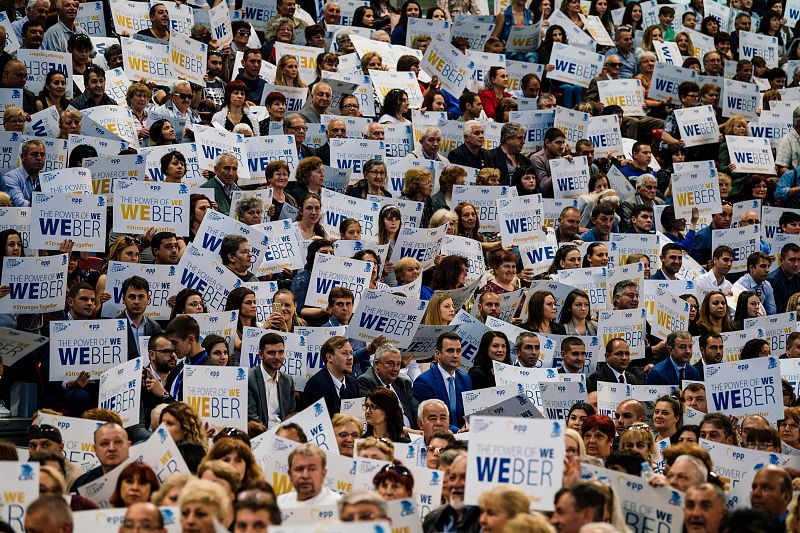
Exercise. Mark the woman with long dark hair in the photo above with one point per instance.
(409, 9)
(714, 313)
(54, 92)
(395, 108)
(542, 314)
(576, 314)
(748, 305)
(243, 300)
(383, 415)
(188, 302)
(494, 346)
(573, 94)
(135, 484)
(450, 274)
(10, 246)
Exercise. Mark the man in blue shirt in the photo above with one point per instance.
(21, 182)
(785, 281)
(756, 280)
(701, 249)
(602, 224)
(624, 49)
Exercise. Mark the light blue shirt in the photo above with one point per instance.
(56, 37)
(19, 186)
(767, 294)
(17, 27)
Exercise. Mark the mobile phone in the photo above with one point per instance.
(276, 307)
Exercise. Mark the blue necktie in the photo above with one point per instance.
(451, 391)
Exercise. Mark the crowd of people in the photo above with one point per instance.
(502, 137)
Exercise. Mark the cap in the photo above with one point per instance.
(45, 431)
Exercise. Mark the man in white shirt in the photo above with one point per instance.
(714, 279)
(271, 391)
(307, 473)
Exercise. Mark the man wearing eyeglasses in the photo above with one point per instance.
(144, 517)
(385, 372)
(295, 124)
(163, 360)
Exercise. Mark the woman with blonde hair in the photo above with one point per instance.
(239, 455)
(200, 503)
(288, 72)
(347, 429)
(441, 310)
(573, 444)
(371, 61)
(14, 119)
(183, 423)
(685, 45)
(125, 249)
(406, 271)
(417, 186)
(137, 97)
(651, 34)
(169, 491)
(288, 309)
(375, 448)
(70, 122)
(639, 439)
(499, 505)
(529, 523)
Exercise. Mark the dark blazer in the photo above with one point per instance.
(402, 387)
(321, 386)
(604, 373)
(498, 160)
(439, 518)
(664, 374)
(481, 379)
(220, 196)
(150, 328)
(324, 153)
(257, 396)
(463, 156)
(430, 384)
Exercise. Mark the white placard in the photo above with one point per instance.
(91, 346)
(628, 94)
(23, 478)
(338, 207)
(744, 241)
(574, 65)
(624, 324)
(753, 44)
(160, 278)
(698, 125)
(741, 98)
(16, 344)
(201, 270)
(212, 142)
(146, 61)
(142, 205)
(121, 391)
(423, 244)
(187, 58)
(696, 186)
(666, 79)
(36, 284)
(604, 134)
(330, 271)
(751, 155)
(384, 314)
(217, 394)
(751, 387)
(521, 218)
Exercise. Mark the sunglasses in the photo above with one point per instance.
(184, 96)
(232, 433)
(397, 469)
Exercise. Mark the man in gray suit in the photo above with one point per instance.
(270, 391)
(385, 372)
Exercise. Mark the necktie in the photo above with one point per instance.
(622, 378)
(758, 290)
(341, 391)
(681, 373)
(451, 391)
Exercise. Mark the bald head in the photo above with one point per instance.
(771, 491)
(336, 129)
(145, 516)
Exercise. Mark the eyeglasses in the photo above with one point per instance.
(377, 173)
(370, 407)
(164, 351)
(128, 240)
(614, 65)
(243, 33)
(397, 469)
(254, 494)
(44, 428)
(298, 128)
(184, 96)
(232, 433)
(343, 435)
(350, 106)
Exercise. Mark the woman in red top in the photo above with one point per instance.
(496, 90)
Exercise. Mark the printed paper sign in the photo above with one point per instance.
(384, 314)
(130, 16)
(56, 218)
(570, 178)
(142, 205)
(503, 451)
(484, 199)
(161, 453)
(744, 242)
(91, 346)
(773, 328)
(16, 344)
(574, 65)
(698, 125)
(282, 247)
(666, 79)
(212, 142)
(558, 398)
(536, 123)
(146, 61)
(469, 249)
(453, 68)
(351, 154)
(751, 155)
(751, 387)
(670, 313)
(624, 324)
(761, 45)
(24, 479)
(521, 218)
(696, 186)
(330, 271)
(628, 94)
(201, 270)
(40, 62)
(35, 284)
(187, 58)
(261, 151)
(220, 19)
(78, 437)
(422, 244)
(605, 135)
(741, 98)
(121, 391)
(218, 394)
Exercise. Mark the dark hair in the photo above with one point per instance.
(402, 23)
(156, 133)
(552, 134)
(135, 282)
(93, 69)
(4, 235)
(688, 87)
(722, 421)
(449, 335)
(566, 309)
(313, 248)
(192, 452)
(467, 97)
(45, 92)
(386, 400)
(269, 338)
(138, 471)
(234, 303)
(230, 245)
(391, 102)
(294, 426)
(627, 16)
(180, 301)
(752, 349)
(358, 17)
(688, 427)
(167, 158)
(79, 153)
(482, 359)
(535, 308)
(182, 326)
(583, 406)
(395, 473)
(212, 340)
(587, 496)
(233, 85)
(630, 462)
(446, 275)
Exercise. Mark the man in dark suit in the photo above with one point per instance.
(573, 356)
(136, 297)
(270, 392)
(471, 153)
(671, 262)
(615, 369)
(444, 380)
(509, 154)
(712, 351)
(334, 382)
(675, 368)
(385, 372)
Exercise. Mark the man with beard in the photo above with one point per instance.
(271, 391)
(163, 359)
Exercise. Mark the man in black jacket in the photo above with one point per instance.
(618, 357)
(508, 157)
(471, 153)
(385, 372)
(334, 382)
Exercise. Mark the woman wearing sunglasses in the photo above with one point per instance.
(394, 481)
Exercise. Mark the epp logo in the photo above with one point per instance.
(318, 409)
(27, 473)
